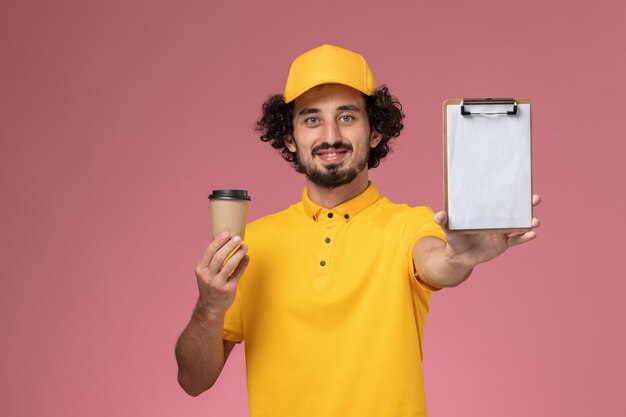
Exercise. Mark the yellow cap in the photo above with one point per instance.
(328, 64)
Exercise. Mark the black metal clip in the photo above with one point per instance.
(488, 101)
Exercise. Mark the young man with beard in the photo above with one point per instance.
(333, 303)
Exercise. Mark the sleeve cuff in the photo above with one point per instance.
(231, 337)
(436, 232)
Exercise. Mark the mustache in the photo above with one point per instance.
(324, 146)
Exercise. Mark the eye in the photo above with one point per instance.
(346, 118)
(311, 121)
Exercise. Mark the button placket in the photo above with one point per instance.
(329, 224)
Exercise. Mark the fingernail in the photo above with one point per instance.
(237, 239)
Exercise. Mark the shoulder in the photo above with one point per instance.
(385, 208)
(409, 222)
(294, 212)
(291, 217)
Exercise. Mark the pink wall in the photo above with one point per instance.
(118, 117)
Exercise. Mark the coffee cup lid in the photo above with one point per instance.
(230, 195)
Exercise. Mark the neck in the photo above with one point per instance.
(332, 197)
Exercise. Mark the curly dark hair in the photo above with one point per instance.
(384, 113)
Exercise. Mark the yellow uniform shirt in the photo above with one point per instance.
(331, 312)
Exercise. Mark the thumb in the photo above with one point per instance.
(441, 218)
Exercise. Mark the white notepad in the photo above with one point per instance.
(488, 166)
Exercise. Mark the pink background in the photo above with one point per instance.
(117, 118)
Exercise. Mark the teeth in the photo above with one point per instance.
(331, 155)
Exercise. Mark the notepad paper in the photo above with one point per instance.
(489, 169)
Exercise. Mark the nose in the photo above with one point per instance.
(332, 134)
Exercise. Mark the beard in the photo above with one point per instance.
(332, 176)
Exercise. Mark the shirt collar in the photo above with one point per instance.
(346, 210)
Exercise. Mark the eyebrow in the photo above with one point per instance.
(308, 110)
(349, 107)
(313, 110)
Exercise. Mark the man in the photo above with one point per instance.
(336, 289)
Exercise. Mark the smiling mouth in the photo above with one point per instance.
(332, 156)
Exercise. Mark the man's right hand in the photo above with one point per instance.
(218, 275)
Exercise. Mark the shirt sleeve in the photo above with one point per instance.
(233, 321)
(419, 224)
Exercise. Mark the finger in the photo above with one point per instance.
(535, 222)
(515, 240)
(536, 199)
(441, 218)
(213, 247)
(231, 263)
(217, 262)
(238, 272)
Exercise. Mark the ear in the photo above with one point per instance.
(375, 140)
(290, 144)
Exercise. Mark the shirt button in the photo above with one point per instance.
(327, 240)
(323, 263)
(330, 215)
(346, 216)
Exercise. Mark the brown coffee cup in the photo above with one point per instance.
(229, 211)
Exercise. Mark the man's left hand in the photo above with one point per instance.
(470, 249)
